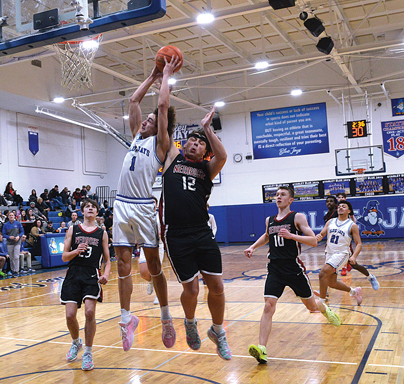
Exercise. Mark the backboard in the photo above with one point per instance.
(366, 159)
(63, 20)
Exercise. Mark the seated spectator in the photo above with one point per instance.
(109, 221)
(83, 192)
(73, 221)
(45, 197)
(42, 207)
(36, 212)
(25, 255)
(55, 198)
(33, 196)
(104, 209)
(11, 194)
(65, 195)
(62, 228)
(30, 215)
(49, 228)
(91, 194)
(77, 196)
(34, 239)
(12, 232)
(3, 201)
(2, 220)
(23, 216)
(99, 221)
(71, 208)
(4, 255)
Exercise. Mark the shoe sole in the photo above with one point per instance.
(87, 369)
(136, 323)
(256, 354)
(212, 338)
(169, 345)
(331, 316)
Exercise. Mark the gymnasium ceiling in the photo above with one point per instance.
(219, 58)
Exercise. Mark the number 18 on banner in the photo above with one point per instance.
(393, 137)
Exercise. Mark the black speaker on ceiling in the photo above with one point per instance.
(217, 125)
(325, 45)
(315, 26)
(279, 4)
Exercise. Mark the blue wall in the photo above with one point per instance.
(377, 216)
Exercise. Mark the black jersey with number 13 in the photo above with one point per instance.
(186, 189)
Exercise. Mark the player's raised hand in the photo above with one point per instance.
(208, 118)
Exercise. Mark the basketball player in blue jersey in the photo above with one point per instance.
(340, 232)
(134, 214)
(283, 232)
(190, 243)
(84, 247)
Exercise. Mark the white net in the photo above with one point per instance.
(77, 58)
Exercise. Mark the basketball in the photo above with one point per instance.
(168, 52)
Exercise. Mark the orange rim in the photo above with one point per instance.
(76, 42)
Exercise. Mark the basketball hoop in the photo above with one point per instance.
(359, 173)
(76, 57)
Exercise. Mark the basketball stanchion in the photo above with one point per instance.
(76, 58)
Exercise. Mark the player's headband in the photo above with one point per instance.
(198, 136)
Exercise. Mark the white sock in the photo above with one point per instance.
(88, 349)
(352, 292)
(165, 313)
(76, 341)
(125, 316)
(191, 321)
(218, 328)
(370, 277)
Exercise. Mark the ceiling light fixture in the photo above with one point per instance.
(261, 65)
(58, 100)
(205, 18)
(296, 92)
(219, 104)
(171, 81)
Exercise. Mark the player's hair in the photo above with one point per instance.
(89, 201)
(348, 204)
(343, 194)
(290, 190)
(332, 197)
(171, 118)
(201, 132)
(155, 200)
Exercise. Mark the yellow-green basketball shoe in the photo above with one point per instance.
(259, 352)
(332, 317)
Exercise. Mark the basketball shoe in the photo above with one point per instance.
(223, 349)
(88, 364)
(193, 339)
(372, 279)
(331, 316)
(150, 288)
(128, 332)
(358, 295)
(168, 336)
(74, 350)
(259, 352)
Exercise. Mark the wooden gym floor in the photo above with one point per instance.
(303, 348)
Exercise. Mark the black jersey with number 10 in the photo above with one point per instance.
(92, 257)
(279, 247)
(186, 189)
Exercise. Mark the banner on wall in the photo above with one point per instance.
(290, 131)
(393, 137)
(33, 140)
(180, 137)
(397, 107)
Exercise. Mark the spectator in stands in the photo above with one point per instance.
(91, 194)
(42, 207)
(65, 195)
(72, 207)
(104, 209)
(111, 248)
(83, 192)
(55, 198)
(30, 215)
(23, 216)
(11, 194)
(25, 255)
(36, 212)
(34, 239)
(49, 228)
(3, 201)
(62, 228)
(4, 253)
(74, 220)
(33, 196)
(109, 221)
(77, 196)
(2, 220)
(12, 232)
(45, 197)
(99, 221)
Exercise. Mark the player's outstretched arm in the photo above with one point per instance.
(67, 253)
(135, 113)
(220, 155)
(107, 263)
(323, 232)
(358, 243)
(303, 226)
(163, 140)
(260, 242)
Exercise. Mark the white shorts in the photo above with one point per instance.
(135, 223)
(142, 258)
(336, 260)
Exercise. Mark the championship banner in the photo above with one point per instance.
(290, 131)
(393, 137)
(397, 107)
(33, 140)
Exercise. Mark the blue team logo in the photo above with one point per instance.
(371, 220)
(53, 246)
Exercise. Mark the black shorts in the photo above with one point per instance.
(191, 250)
(290, 273)
(81, 283)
